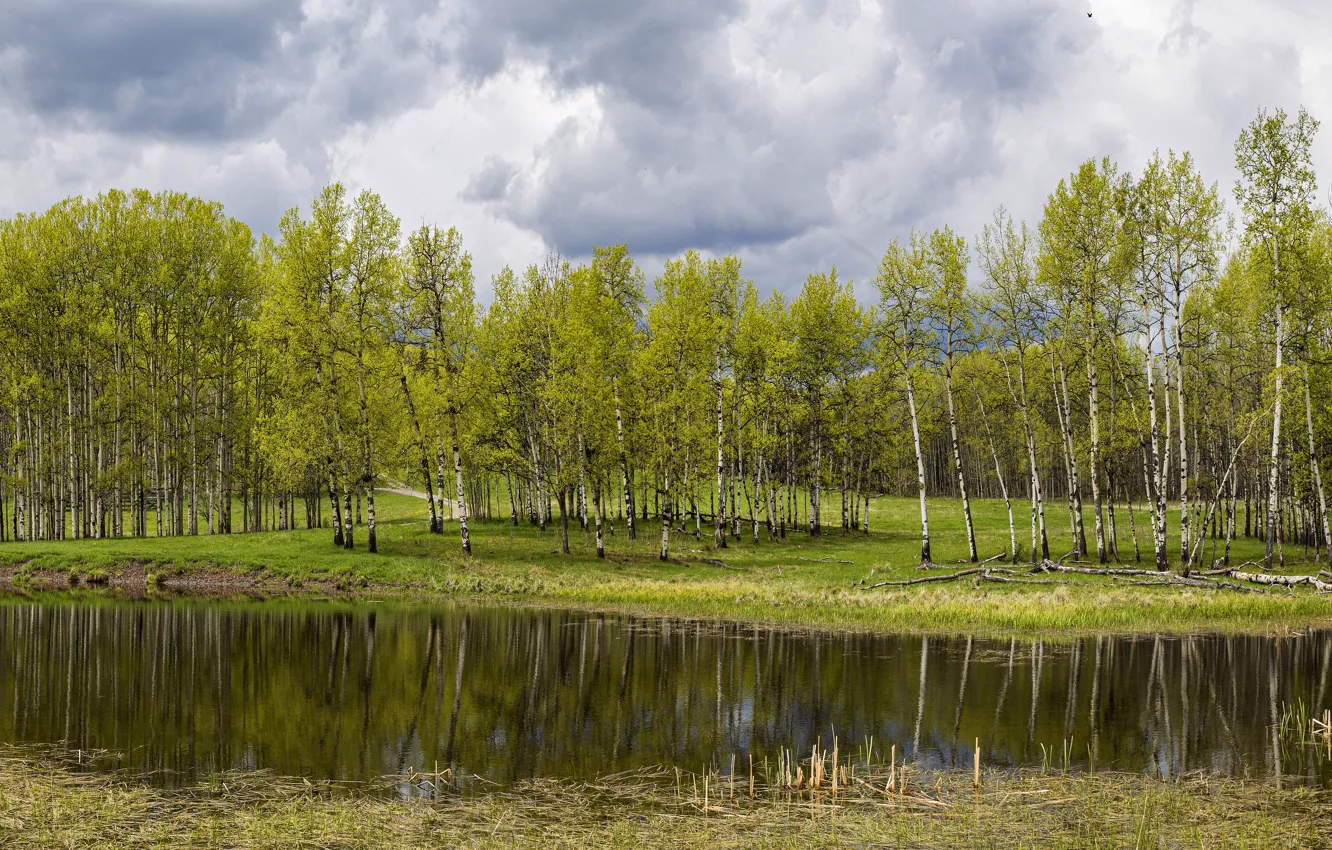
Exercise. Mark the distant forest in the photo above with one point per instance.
(164, 372)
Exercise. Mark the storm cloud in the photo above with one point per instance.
(799, 134)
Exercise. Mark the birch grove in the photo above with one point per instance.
(165, 372)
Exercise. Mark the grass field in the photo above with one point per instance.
(800, 581)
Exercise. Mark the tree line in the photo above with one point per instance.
(167, 373)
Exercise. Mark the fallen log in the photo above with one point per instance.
(951, 576)
(1054, 566)
(1284, 581)
(1169, 580)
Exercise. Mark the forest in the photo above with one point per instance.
(166, 372)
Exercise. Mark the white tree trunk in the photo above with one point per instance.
(1065, 413)
(596, 509)
(1003, 486)
(1037, 499)
(1158, 472)
(1094, 423)
(665, 551)
(957, 462)
(920, 473)
(1316, 467)
(719, 519)
(624, 460)
(1273, 496)
(458, 477)
(1185, 532)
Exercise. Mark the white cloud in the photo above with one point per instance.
(799, 133)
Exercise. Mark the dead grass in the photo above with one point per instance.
(46, 802)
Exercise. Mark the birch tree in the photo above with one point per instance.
(441, 286)
(905, 340)
(1276, 190)
(1080, 258)
(950, 312)
(1005, 257)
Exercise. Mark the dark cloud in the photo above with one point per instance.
(491, 183)
(650, 51)
(180, 69)
(799, 133)
(215, 70)
(692, 151)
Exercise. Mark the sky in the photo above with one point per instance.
(797, 134)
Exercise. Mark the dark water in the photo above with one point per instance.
(344, 691)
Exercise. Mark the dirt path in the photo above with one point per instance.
(416, 494)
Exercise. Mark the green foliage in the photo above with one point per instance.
(164, 371)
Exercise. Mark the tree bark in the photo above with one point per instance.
(435, 525)
(957, 462)
(1315, 468)
(920, 473)
(719, 518)
(1003, 486)
(458, 477)
(1273, 494)
(624, 461)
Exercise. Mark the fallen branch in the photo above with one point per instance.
(1181, 581)
(950, 577)
(1221, 571)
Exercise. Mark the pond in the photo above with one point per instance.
(355, 691)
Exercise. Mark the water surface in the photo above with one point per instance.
(356, 691)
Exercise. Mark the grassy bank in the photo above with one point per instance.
(46, 803)
(800, 581)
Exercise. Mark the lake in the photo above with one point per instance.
(357, 691)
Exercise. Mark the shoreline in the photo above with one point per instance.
(1072, 610)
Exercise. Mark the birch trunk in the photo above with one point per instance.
(1157, 494)
(369, 474)
(664, 553)
(458, 477)
(347, 517)
(1003, 486)
(582, 483)
(435, 526)
(920, 474)
(1315, 467)
(957, 462)
(1273, 494)
(719, 518)
(1094, 423)
(1075, 487)
(596, 509)
(439, 481)
(816, 484)
(1037, 498)
(1185, 532)
(624, 461)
